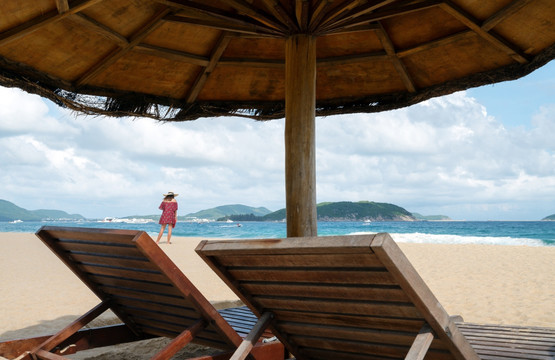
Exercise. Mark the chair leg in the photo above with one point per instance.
(72, 328)
(180, 341)
(421, 344)
(244, 349)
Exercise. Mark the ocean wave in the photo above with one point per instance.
(421, 238)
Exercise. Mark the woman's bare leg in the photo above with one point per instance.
(162, 228)
(170, 227)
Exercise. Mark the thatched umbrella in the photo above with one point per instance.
(178, 60)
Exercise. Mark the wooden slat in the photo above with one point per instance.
(303, 260)
(369, 322)
(165, 288)
(130, 303)
(348, 244)
(341, 307)
(398, 352)
(169, 317)
(125, 273)
(159, 298)
(323, 276)
(115, 236)
(120, 261)
(335, 291)
(100, 249)
(348, 333)
(510, 342)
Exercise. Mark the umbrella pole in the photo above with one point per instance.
(300, 126)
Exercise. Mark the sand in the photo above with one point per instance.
(511, 285)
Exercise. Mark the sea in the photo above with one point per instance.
(530, 233)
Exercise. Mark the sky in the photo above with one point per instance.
(482, 154)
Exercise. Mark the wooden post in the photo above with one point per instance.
(300, 148)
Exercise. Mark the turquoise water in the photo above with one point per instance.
(532, 233)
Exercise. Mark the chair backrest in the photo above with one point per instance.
(145, 289)
(339, 297)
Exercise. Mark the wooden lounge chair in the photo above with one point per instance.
(136, 280)
(342, 297)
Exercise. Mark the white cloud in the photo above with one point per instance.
(21, 113)
(445, 155)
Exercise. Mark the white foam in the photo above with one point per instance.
(421, 238)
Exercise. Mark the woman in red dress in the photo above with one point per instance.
(169, 215)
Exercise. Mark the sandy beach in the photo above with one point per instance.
(485, 284)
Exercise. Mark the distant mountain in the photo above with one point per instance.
(431, 217)
(10, 212)
(227, 210)
(353, 211)
(549, 218)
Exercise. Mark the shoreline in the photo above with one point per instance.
(509, 285)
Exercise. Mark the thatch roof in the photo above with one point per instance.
(184, 59)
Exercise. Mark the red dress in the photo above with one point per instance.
(168, 212)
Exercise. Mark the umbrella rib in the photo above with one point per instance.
(318, 13)
(281, 14)
(436, 43)
(491, 37)
(337, 12)
(172, 54)
(201, 79)
(219, 15)
(398, 63)
(245, 28)
(42, 20)
(118, 53)
(353, 59)
(504, 13)
(100, 28)
(247, 9)
(383, 14)
(302, 13)
(360, 11)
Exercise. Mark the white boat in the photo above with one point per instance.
(16, 221)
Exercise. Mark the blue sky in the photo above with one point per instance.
(482, 154)
(514, 103)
